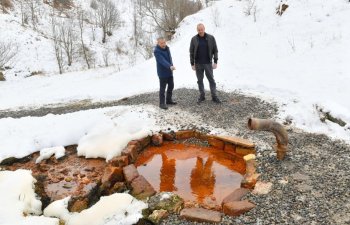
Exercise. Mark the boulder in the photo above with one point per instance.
(166, 200)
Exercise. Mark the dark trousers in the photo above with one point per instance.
(208, 69)
(163, 82)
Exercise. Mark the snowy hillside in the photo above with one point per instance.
(36, 53)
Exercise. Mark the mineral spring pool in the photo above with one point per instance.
(196, 173)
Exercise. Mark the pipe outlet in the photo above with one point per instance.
(277, 129)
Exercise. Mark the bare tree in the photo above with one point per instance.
(167, 14)
(8, 52)
(67, 39)
(105, 56)
(81, 17)
(108, 17)
(32, 6)
(57, 44)
(24, 14)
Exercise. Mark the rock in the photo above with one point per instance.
(130, 173)
(112, 175)
(184, 134)
(237, 141)
(141, 188)
(262, 188)
(230, 148)
(201, 215)
(131, 152)
(166, 200)
(137, 144)
(211, 203)
(119, 161)
(281, 8)
(169, 136)
(216, 143)
(157, 139)
(158, 215)
(236, 195)
(118, 187)
(237, 208)
(245, 151)
(2, 77)
(77, 205)
(144, 142)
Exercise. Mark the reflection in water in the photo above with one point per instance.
(193, 172)
(202, 179)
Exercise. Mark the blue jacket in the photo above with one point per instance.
(164, 61)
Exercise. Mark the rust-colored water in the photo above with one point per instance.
(193, 172)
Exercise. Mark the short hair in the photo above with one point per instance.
(200, 24)
(160, 38)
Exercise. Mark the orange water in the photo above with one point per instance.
(193, 172)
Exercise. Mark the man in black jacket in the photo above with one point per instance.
(203, 50)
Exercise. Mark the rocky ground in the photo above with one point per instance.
(311, 186)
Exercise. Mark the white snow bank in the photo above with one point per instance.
(19, 199)
(116, 209)
(48, 152)
(108, 138)
(108, 131)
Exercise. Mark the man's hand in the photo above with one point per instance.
(193, 67)
(172, 68)
(215, 66)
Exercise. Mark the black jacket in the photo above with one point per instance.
(213, 49)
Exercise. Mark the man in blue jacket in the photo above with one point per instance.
(203, 50)
(165, 70)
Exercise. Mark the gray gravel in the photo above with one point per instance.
(311, 186)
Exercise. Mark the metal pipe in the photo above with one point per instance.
(277, 129)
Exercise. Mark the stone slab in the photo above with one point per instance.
(237, 208)
(130, 173)
(201, 215)
(236, 195)
(237, 141)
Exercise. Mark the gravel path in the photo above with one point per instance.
(311, 186)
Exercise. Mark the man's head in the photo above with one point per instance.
(201, 30)
(161, 42)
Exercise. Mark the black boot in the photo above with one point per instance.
(163, 106)
(171, 102)
(201, 99)
(216, 100)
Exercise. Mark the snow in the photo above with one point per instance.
(297, 60)
(116, 209)
(98, 133)
(108, 139)
(119, 208)
(20, 200)
(46, 153)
